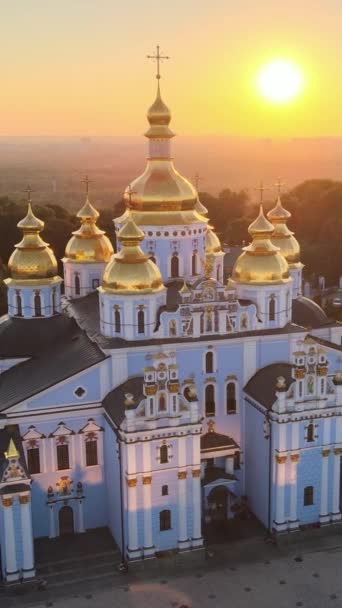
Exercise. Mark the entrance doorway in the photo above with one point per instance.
(218, 505)
(66, 521)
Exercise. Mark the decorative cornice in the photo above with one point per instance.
(281, 459)
(131, 482)
(325, 453)
(295, 457)
(147, 481)
(338, 451)
(182, 474)
(24, 500)
(7, 502)
(196, 473)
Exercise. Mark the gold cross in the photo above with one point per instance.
(158, 58)
(279, 184)
(130, 192)
(197, 179)
(261, 189)
(29, 192)
(86, 181)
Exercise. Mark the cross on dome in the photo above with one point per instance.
(261, 189)
(86, 181)
(158, 58)
(28, 191)
(279, 184)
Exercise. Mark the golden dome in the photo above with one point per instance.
(32, 258)
(212, 242)
(131, 271)
(283, 237)
(88, 244)
(261, 262)
(200, 208)
(159, 117)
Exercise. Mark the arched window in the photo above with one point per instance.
(151, 407)
(271, 309)
(19, 304)
(77, 285)
(209, 400)
(117, 321)
(165, 490)
(172, 327)
(231, 398)
(209, 362)
(141, 322)
(174, 267)
(322, 386)
(310, 433)
(194, 264)
(162, 403)
(164, 454)
(37, 304)
(91, 453)
(54, 305)
(308, 496)
(33, 460)
(165, 520)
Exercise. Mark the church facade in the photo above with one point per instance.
(154, 395)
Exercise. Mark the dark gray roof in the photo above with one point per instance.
(212, 474)
(212, 441)
(262, 386)
(327, 343)
(28, 337)
(114, 402)
(65, 356)
(307, 313)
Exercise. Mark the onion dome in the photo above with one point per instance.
(32, 258)
(200, 208)
(212, 242)
(131, 271)
(283, 237)
(261, 262)
(159, 117)
(88, 244)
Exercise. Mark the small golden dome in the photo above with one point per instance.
(32, 257)
(212, 242)
(131, 271)
(88, 244)
(283, 237)
(261, 262)
(159, 117)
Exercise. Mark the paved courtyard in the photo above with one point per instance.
(302, 571)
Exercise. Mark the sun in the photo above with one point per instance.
(280, 81)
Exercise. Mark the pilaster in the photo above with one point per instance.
(279, 521)
(28, 569)
(324, 516)
(11, 568)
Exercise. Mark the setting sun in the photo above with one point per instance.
(280, 81)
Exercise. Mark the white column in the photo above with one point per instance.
(28, 569)
(52, 524)
(11, 568)
(80, 516)
(148, 536)
(324, 509)
(183, 539)
(133, 550)
(197, 540)
(293, 523)
(279, 521)
(336, 514)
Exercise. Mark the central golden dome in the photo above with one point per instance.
(88, 244)
(283, 237)
(261, 262)
(131, 271)
(32, 258)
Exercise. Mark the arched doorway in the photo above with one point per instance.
(66, 521)
(218, 505)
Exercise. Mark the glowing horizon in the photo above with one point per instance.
(74, 70)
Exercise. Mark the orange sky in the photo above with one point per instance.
(79, 67)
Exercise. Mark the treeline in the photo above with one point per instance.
(316, 207)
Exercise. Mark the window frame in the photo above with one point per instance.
(59, 458)
(165, 520)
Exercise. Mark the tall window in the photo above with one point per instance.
(165, 520)
(54, 307)
(141, 322)
(209, 362)
(77, 285)
(117, 321)
(37, 305)
(308, 496)
(271, 309)
(63, 456)
(162, 403)
(231, 397)
(91, 453)
(33, 461)
(194, 264)
(165, 490)
(19, 312)
(164, 454)
(174, 266)
(151, 407)
(310, 432)
(209, 400)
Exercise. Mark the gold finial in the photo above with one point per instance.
(158, 58)
(197, 179)
(28, 191)
(279, 184)
(261, 189)
(86, 181)
(12, 451)
(130, 193)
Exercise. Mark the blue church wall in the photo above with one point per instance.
(272, 351)
(256, 463)
(112, 479)
(2, 541)
(309, 474)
